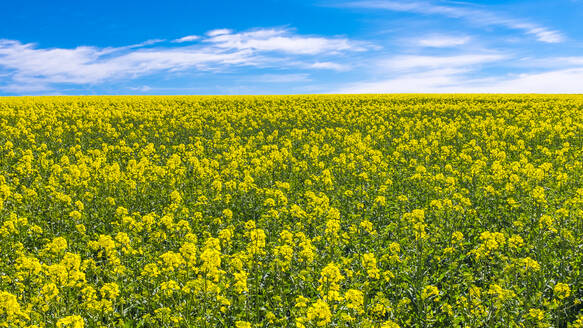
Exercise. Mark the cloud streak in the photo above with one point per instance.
(330, 66)
(29, 67)
(268, 40)
(408, 62)
(476, 16)
(457, 74)
(187, 38)
(442, 41)
(280, 78)
(455, 81)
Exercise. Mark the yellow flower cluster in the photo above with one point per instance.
(274, 211)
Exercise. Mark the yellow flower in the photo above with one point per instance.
(331, 274)
(227, 213)
(515, 241)
(578, 323)
(240, 284)
(81, 228)
(562, 291)
(270, 316)
(76, 215)
(188, 251)
(10, 308)
(500, 293)
(151, 270)
(169, 287)
(429, 291)
(301, 302)
(367, 226)
(211, 259)
(285, 253)
(538, 194)
(530, 264)
(250, 225)
(257, 242)
(73, 321)
(172, 261)
(226, 235)
(57, 245)
(547, 222)
(319, 313)
(242, 324)
(175, 196)
(369, 262)
(457, 236)
(332, 229)
(536, 314)
(355, 300)
(395, 248)
(109, 290)
(104, 242)
(389, 324)
(50, 291)
(381, 201)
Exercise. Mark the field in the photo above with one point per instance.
(291, 211)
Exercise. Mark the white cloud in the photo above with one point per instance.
(408, 62)
(430, 81)
(472, 15)
(88, 65)
(556, 63)
(30, 67)
(542, 34)
(451, 75)
(220, 31)
(143, 88)
(281, 40)
(443, 41)
(146, 43)
(570, 61)
(330, 66)
(556, 81)
(280, 78)
(187, 38)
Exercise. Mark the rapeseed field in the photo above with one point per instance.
(291, 211)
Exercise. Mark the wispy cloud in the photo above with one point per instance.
(32, 68)
(551, 62)
(409, 73)
(219, 31)
(458, 74)
(430, 81)
(471, 14)
(279, 78)
(280, 40)
(85, 65)
(554, 81)
(188, 38)
(442, 41)
(330, 65)
(408, 62)
(143, 88)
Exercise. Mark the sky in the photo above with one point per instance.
(290, 47)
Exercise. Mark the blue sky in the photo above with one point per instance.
(290, 47)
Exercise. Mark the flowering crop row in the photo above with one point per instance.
(291, 211)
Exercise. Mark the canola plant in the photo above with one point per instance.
(291, 211)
